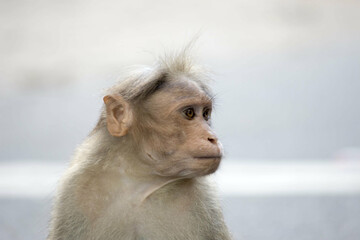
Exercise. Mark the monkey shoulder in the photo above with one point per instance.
(183, 209)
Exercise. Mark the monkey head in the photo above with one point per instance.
(171, 127)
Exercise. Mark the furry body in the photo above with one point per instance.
(141, 173)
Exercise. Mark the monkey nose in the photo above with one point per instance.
(212, 139)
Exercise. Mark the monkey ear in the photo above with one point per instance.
(118, 115)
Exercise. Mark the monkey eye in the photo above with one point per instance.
(189, 113)
(206, 114)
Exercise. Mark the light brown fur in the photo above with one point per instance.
(141, 173)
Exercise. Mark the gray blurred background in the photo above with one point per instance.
(287, 79)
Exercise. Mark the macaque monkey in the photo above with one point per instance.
(141, 174)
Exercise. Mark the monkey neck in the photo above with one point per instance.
(142, 188)
(138, 179)
(122, 172)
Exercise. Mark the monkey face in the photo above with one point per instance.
(175, 132)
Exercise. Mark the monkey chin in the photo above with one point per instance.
(190, 168)
(204, 166)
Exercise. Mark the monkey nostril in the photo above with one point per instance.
(212, 140)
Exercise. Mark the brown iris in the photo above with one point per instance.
(189, 113)
(206, 114)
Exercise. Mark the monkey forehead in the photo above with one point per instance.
(199, 98)
(187, 86)
(186, 90)
(178, 94)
